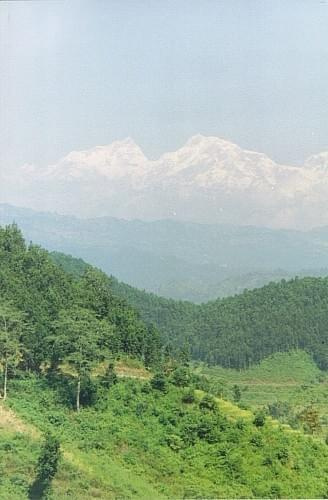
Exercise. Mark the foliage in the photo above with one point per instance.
(259, 419)
(46, 468)
(167, 438)
(285, 384)
(147, 444)
(159, 382)
(52, 315)
(239, 331)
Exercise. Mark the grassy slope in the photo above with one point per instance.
(19, 450)
(119, 449)
(292, 377)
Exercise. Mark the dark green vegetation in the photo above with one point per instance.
(238, 331)
(48, 316)
(47, 467)
(79, 428)
(181, 260)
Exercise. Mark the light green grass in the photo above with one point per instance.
(292, 377)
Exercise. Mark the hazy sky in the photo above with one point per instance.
(79, 74)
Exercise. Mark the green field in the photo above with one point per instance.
(284, 377)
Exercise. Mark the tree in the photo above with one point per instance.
(311, 419)
(159, 382)
(77, 341)
(46, 468)
(12, 326)
(236, 393)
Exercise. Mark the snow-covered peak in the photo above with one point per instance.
(318, 161)
(208, 179)
(118, 159)
(207, 141)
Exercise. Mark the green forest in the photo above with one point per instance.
(110, 392)
(238, 331)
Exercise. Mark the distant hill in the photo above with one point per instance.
(238, 331)
(179, 260)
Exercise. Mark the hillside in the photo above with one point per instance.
(286, 384)
(82, 373)
(36, 294)
(176, 259)
(237, 331)
(142, 442)
(241, 330)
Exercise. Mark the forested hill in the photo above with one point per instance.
(244, 329)
(37, 293)
(241, 330)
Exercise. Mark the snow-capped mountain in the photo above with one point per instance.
(207, 180)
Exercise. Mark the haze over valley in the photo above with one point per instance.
(163, 249)
(181, 260)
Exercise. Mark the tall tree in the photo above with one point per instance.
(79, 340)
(12, 324)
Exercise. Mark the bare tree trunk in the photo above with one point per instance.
(5, 380)
(78, 394)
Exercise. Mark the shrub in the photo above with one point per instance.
(259, 419)
(208, 403)
(180, 377)
(174, 442)
(236, 393)
(46, 468)
(257, 440)
(110, 377)
(159, 382)
(283, 455)
(188, 397)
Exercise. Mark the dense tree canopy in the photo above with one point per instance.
(42, 295)
(241, 330)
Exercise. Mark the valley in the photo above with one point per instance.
(112, 374)
(163, 250)
(176, 259)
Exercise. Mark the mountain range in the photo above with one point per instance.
(178, 259)
(208, 180)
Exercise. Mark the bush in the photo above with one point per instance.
(279, 409)
(259, 419)
(257, 440)
(46, 468)
(188, 397)
(180, 377)
(236, 393)
(283, 455)
(159, 382)
(110, 377)
(174, 442)
(208, 403)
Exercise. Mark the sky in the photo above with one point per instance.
(77, 74)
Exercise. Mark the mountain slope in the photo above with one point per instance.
(238, 331)
(207, 180)
(242, 330)
(175, 259)
(143, 442)
(35, 288)
(158, 438)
